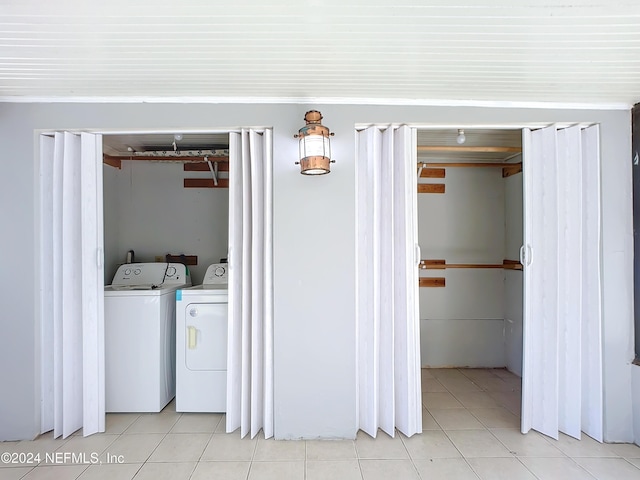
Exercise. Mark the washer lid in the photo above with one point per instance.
(110, 291)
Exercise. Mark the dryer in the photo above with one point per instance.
(201, 343)
(139, 319)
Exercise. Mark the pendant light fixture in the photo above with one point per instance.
(461, 138)
(314, 145)
(176, 138)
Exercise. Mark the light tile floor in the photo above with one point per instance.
(470, 432)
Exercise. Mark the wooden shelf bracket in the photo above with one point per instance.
(431, 188)
(431, 282)
(511, 169)
(425, 172)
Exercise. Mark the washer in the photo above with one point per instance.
(201, 343)
(139, 318)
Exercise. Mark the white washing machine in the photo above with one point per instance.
(201, 343)
(139, 319)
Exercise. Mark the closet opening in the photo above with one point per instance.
(140, 203)
(509, 226)
(470, 230)
(166, 205)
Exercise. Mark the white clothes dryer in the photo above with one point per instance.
(139, 319)
(201, 343)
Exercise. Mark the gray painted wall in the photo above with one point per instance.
(635, 385)
(314, 245)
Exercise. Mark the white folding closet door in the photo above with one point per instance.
(250, 347)
(235, 373)
(562, 364)
(92, 253)
(388, 358)
(540, 335)
(569, 313)
(592, 384)
(72, 330)
(69, 324)
(386, 279)
(368, 279)
(47, 302)
(408, 391)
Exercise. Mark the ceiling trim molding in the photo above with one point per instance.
(323, 101)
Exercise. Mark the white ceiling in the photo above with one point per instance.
(575, 51)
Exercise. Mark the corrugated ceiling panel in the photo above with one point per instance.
(518, 50)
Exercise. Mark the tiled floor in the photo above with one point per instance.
(470, 432)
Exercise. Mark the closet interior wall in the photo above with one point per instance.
(475, 320)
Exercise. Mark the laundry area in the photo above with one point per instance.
(166, 202)
(470, 230)
(166, 229)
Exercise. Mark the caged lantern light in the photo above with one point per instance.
(314, 145)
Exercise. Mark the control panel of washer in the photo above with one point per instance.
(217, 274)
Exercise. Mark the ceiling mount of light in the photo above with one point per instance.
(461, 138)
(176, 138)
